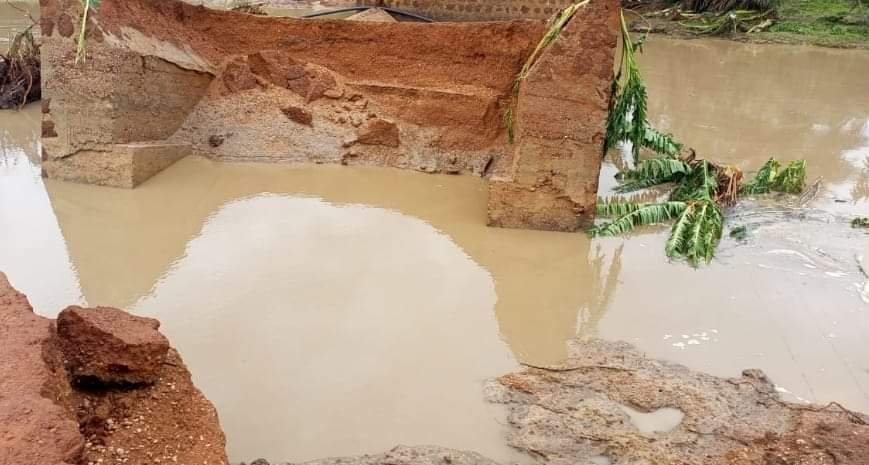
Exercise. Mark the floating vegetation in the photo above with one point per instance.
(700, 189)
(20, 71)
(739, 233)
(770, 177)
(561, 19)
(627, 121)
(860, 222)
(89, 7)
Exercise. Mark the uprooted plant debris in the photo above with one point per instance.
(19, 72)
(715, 22)
(701, 189)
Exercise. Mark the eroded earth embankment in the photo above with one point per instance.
(103, 386)
(97, 386)
(164, 79)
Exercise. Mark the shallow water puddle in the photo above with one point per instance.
(662, 420)
(340, 328)
(331, 310)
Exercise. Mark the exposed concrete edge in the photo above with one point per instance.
(123, 166)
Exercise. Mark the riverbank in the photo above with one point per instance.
(825, 23)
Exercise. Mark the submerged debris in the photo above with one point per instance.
(20, 81)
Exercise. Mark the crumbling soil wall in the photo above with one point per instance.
(432, 97)
(131, 407)
(475, 10)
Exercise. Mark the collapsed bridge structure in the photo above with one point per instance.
(163, 79)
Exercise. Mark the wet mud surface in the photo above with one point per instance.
(263, 275)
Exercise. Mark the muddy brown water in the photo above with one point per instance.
(14, 18)
(329, 310)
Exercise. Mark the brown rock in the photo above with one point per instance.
(237, 77)
(275, 67)
(299, 115)
(313, 84)
(379, 132)
(334, 93)
(110, 346)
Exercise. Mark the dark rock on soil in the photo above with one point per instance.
(379, 131)
(299, 115)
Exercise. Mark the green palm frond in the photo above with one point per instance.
(640, 184)
(659, 142)
(761, 183)
(652, 172)
(701, 183)
(615, 208)
(628, 116)
(696, 233)
(655, 168)
(641, 215)
(792, 179)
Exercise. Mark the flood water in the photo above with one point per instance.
(329, 310)
(14, 18)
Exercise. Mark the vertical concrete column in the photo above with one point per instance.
(560, 124)
(106, 120)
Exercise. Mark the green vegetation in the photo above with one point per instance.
(839, 23)
(700, 189)
(791, 180)
(860, 222)
(90, 7)
(830, 22)
(627, 120)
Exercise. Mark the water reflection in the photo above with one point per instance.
(205, 240)
(281, 270)
(32, 250)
